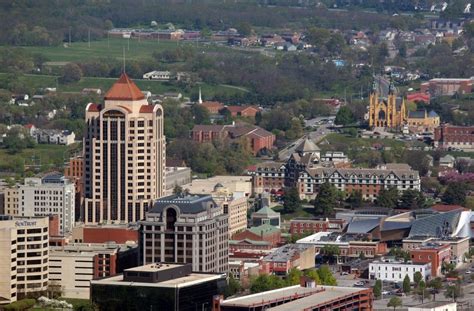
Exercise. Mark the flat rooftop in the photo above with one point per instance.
(316, 295)
(434, 304)
(155, 267)
(329, 293)
(188, 280)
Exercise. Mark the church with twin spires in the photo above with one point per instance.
(392, 113)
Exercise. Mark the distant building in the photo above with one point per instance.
(73, 266)
(243, 111)
(177, 176)
(447, 87)
(11, 201)
(396, 271)
(213, 107)
(335, 157)
(119, 233)
(451, 136)
(157, 75)
(265, 232)
(257, 138)
(56, 137)
(158, 286)
(422, 121)
(386, 113)
(74, 171)
(269, 177)
(198, 226)
(432, 253)
(51, 195)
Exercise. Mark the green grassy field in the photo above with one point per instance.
(41, 158)
(156, 87)
(114, 48)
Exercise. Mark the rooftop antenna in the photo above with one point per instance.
(123, 69)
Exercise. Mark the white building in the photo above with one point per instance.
(24, 256)
(50, 195)
(435, 306)
(335, 157)
(157, 75)
(56, 137)
(396, 271)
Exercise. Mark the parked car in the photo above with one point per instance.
(359, 284)
(344, 273)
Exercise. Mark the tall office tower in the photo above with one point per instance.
(124, 155)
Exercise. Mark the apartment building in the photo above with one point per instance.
(24, 259)
(396, 271)
(73, 266)
(124, 155)
(269, 177)
(458, 137)
(51, 195)
(190, 229)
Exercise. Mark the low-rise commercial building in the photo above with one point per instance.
(287, 257)
(432, 253)
(458, 246)
(73, 266)
(118, 233)
(301, 225)
(158, 287)
(458, 137)
(396, 271)
(25, 256)
(265, 232)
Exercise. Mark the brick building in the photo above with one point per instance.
(243, 111)
(213, 107)
(451, 136)
(264, 232)
(447, 87)
(119, 233)
(74, 171)
(433, 253)
(287, 257)
(313, 225)
(257, 138)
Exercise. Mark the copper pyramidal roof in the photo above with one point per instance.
(124, 89)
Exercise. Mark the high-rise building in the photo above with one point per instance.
(124, 155)
(24, 259)
(190, 229)
(50, 195)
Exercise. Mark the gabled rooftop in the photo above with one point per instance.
(124, 89)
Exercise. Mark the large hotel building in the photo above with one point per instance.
(124, 155)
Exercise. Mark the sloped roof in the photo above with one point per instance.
(419, 114)
(263, 229)
(434, 225)
(433, 114)
(124, 89)
(307, 146)
(266, 211)
(363, 225)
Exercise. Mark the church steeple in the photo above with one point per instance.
(200, 97)
(391, 86)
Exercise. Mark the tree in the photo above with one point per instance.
(293, 277)
(233, 286)
(378, 289)
(244, 29)
(344, 116)
(71, 73)
(14, 143)
(406, 284)
(330, 252)
(388, 198)
(265, 282)
(54, 290)
(201, 115)
(291, 200)
(326, 200)
(412, 199)
(355, 199)
(417, 278)
(454, 291)
(177, 189)
(295, 130)
(313, 274)
(435, 285)
(455, 193)
(421, 291)
(394, 302)
(326, 276)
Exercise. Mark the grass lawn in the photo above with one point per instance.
(42, 157)
(335, 139)
(156, 87)
(302, 212)
(114, 49)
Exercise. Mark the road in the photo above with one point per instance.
(315, 136)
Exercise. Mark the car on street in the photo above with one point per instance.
(344, 273)
(468, 272)
(359, 284)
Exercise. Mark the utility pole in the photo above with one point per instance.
(128, 43)
(89, 37)
(69, 35)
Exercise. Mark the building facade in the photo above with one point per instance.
(50, 195)
(313, 225)
(190, 229)
(11, 201)
(235, 205)
(389, 113)
(25, 255)
(446, 87)
(451, 136)
(74, 171)
(395, 271)
(432, 253)
(124, 155)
